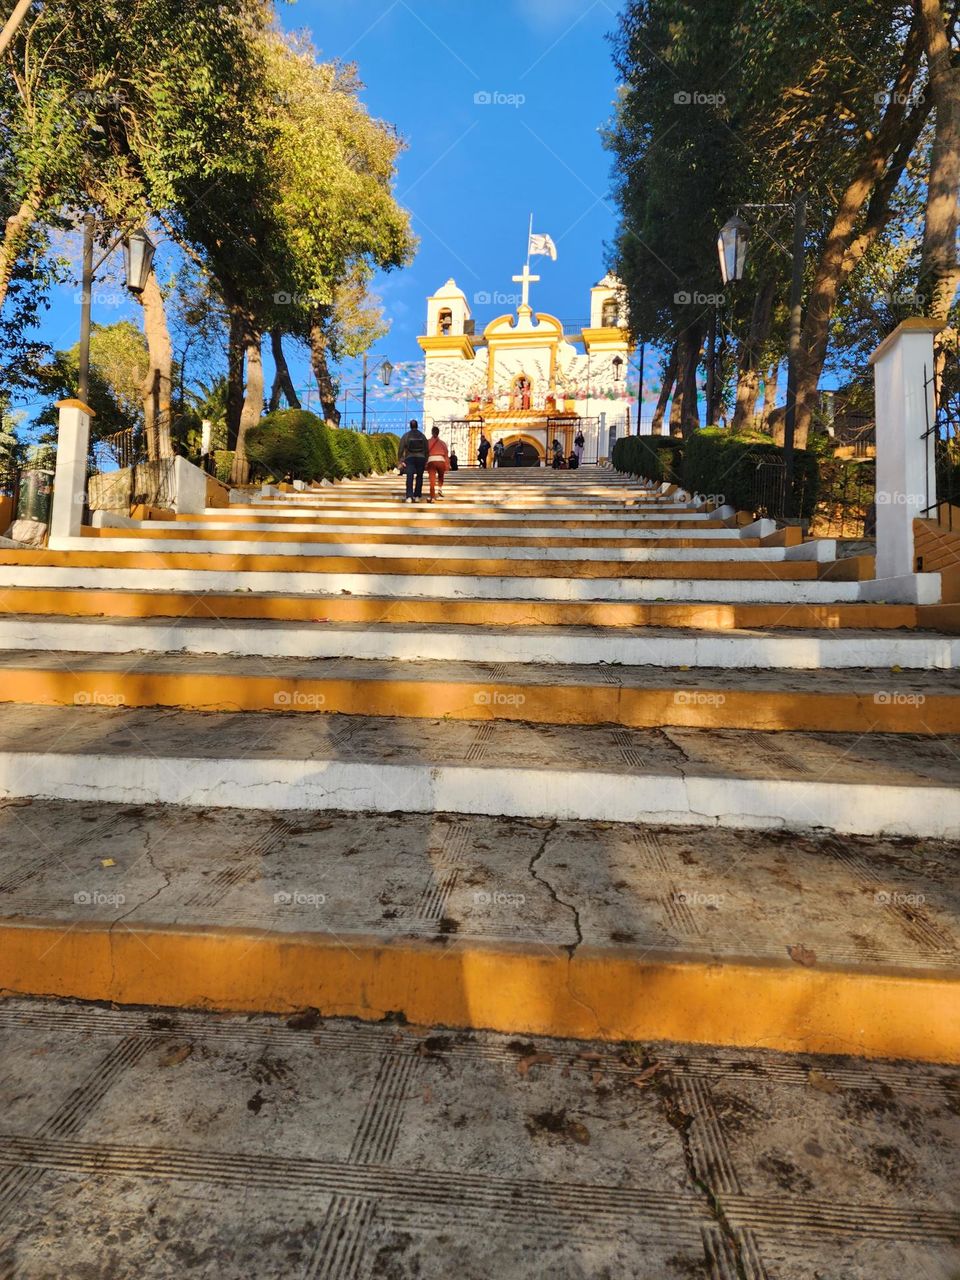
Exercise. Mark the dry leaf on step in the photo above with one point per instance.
(524, 1065)
(578, 1132)
(802, 955)
(819, 1081)
(644, 1078)
(173, 1057)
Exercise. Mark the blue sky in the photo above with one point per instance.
(473, 170)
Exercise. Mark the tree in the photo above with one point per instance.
(824, 98)
(119, 360)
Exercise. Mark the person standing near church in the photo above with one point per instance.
(413, 455)
(483, 451)
(498, 454)
(518, 454)
(438, 462)
(579, 441)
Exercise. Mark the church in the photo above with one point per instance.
(524, 378)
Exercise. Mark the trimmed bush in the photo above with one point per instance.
(223, 464)
(298, 444)
(718, 463)
(656, 457)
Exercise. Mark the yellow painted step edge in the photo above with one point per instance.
(609, 994)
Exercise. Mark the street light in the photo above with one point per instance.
(386, 373)
(732, 244)
(617, 369)
(138, 251)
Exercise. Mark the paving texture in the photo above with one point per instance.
(658, 893)
(152, 1144)
(894, 760)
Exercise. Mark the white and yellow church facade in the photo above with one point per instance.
(525, 379)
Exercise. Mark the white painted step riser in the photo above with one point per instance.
(424, 514)
(442, 586)
(518, 532)
(539, 646)
(278, 784)
(454, 500)
(423, 551)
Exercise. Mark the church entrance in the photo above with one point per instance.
(532, 453)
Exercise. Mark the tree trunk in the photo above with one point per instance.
(235, 347)
(158, 384)
(888, 150)
(748, 379)
(679, 385)
(691, 340)
(252, 400)
(15, 233)
(939, 269)
(321, 371)
(282, 382)
(666, 386)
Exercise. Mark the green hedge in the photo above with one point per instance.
(656, 457)
(715, 462)
(296, 444)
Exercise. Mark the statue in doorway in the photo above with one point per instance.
(522, 397)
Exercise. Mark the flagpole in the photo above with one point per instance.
(529, 238)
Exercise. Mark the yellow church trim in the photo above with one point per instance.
(454, 344)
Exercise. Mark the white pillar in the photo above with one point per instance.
(70, 478)
(906, 468)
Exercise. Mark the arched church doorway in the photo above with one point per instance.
(532, 451)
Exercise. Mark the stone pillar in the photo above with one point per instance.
(70, 478)
(906, 469)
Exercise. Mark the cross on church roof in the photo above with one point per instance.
(526, 279)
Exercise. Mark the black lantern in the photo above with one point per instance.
(386, 373)
(138, 251)
(617, 369)
(732, 246)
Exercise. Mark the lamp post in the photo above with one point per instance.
(732, 245)
(138, 251)
(386, 373)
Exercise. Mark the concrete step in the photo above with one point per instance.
(542, 554)
(446, 515)
(561, 928)
(793, 582)
(574, 646)
(470, 535)
(849, 784)
(845, 701)
(60, 600)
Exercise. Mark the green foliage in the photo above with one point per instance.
(716, 462)
(297, 444)
(656, 457)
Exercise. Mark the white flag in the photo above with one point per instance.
(543, 245)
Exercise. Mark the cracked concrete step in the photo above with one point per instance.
(564, 928)
(405, 641)
(857, 784)
(845, 700)
(60, 600)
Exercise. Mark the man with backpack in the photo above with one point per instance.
(412, 456)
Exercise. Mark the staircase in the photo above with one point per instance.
(560, 755)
